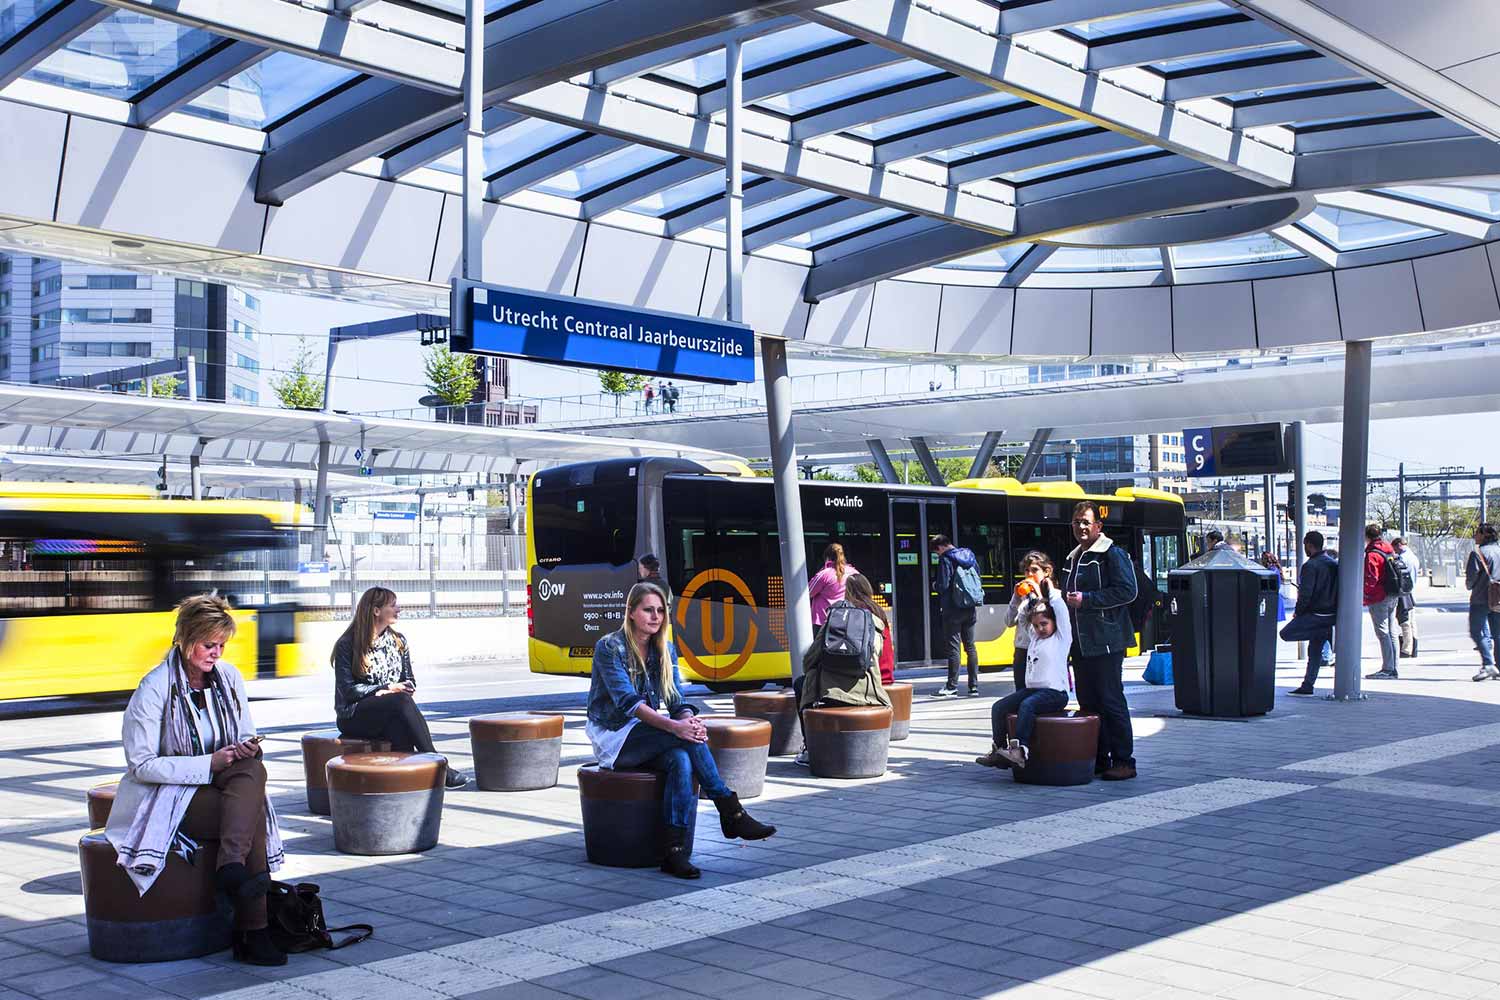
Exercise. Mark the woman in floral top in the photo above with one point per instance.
(373, 681)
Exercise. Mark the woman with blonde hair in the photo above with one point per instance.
(827, 585)
(373, 681)
(193, 773)
(637, 718)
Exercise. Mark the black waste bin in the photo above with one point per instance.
(1222, 612)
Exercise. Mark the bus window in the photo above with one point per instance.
(981, 527)
(579, 525)
(1165, 555)
(857, 520)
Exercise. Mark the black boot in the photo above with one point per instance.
(256, 948)
(675, 861)
(236, 882)
(735, 822)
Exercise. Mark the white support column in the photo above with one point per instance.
(192, 377)
(1298, 513)
(734, 191)
(473, 237)
(323, 509)
(1349, 630)
(788, 500)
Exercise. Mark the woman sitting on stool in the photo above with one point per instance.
(194, 773)
(635, 670)
(1046, 687)
(373, 682)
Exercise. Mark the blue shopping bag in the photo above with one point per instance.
(1159, 669)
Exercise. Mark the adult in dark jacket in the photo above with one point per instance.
(1100, 586)
(374, 684)
(1379, 601)
(1481, 569)
(958, 621)
(1317, 609)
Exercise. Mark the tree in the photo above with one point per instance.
(953, 469)
(297, 388)
(161, 385)
(1435, 520)
(452, 377)
(1382, 508)
(620, 384)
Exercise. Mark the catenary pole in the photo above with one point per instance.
(1297, 512)
(1348, 631)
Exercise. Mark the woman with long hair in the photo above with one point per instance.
(374, 684)
(828, 583)
(194, 771)
(859, 592)
(637, 718)
(1036, 568)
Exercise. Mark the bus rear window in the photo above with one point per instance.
(575, 525)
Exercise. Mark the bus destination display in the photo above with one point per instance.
(1241, 450)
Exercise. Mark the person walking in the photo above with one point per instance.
(1406, 603)
(1036, 569)
(650, 394)
(1380, 599)
(1480, 571)
(959, 592)
(1045, 681)
(1099, 584)
(827, 584)
(669, 397)
(1316, 610)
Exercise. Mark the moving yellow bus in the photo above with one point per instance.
(89, 576)
(714, 529)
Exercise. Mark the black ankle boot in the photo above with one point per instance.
(236, 882)
(735, 822)
(256, 948)
(675, 861)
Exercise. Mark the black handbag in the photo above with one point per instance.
(297, 922)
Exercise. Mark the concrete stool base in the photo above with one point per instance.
(101, 799)
(1063, 750)
(386, 803)
(516, 751)
(848, 742)
(740, 748)
(317, 750)
(900, 695)
(180, 916)
(779, 708)
(622, 817)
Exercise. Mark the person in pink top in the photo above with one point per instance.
(827, 584)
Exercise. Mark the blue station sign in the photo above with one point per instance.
(505, 322)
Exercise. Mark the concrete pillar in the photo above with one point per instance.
(1034, 453)
(1349, 631)
(984, 454)
(788, 500)
(882, 460)
(929, 464)
(322, 508)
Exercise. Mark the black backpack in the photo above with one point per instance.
(847, 648)
(1395, 576)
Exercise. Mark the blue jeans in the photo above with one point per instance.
(1027, 703)
(1484, 629)
(650, 749)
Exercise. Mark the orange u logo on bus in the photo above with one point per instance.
(717, 646)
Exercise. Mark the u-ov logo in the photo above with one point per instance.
(712, 645)
(546, 588)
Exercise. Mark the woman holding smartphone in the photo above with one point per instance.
(374, 684)
(194, 773)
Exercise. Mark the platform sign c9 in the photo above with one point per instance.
(505, 322)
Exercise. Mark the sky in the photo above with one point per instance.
(386, 375)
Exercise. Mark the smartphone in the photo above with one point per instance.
(253, 739)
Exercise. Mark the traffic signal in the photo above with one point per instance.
(161, 478)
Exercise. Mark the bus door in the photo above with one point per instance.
(919, 625)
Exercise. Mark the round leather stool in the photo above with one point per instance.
(850, 741)
(516, 751)
(622, 817)
(1062, 751)
(101, 798)
(178, 917)
(779, 708)
(317, 750)
(386, 803)
(740, 748)
(900, 695)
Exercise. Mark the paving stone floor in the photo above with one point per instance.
(1326, 850)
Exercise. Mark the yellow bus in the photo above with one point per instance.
(714, 529)
(89, 576)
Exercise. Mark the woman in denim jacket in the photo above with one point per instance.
(634, 671)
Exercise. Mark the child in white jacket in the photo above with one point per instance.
(1046, 687)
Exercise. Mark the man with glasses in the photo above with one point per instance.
(1099, 587)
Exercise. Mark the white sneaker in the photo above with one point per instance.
(1487, 674)
(1015, 753)
(801, 760)
(946, 691)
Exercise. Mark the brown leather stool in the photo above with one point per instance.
(178, 917)
(779, 708)
(622, 817)
(101, 798)
(516, 751)
(900, 694)
(848, 741)
(317, 750)
(740, 748)
(386, 803)
(1062, 751)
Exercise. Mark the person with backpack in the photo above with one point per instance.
(860, 592)
(1482, 576)
(1406, 603)
(1036, 570)
(827, 584)
(843, 665)
(1384, 573)
(1099, 581)
(960, 592)
(1045, 687)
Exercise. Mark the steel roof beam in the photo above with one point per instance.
(1026, 265)
(636, 121)
(658, 179)
(422, 151)
(805, 221)
(1182, 42)
(1040, 154)
(1061, 13)
(907, 98)
(560, 159)
(923, 34)
(968, 130)
(1239, 77)
(803, 72)
(1333, 171)
(1307, 244)
(48, 33)
(1413, 213)
(1368, 101)
(194, 80)
(712, 209)
(1168, 266)
(629, 69)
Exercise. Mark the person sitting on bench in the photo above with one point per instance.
(1046, 687)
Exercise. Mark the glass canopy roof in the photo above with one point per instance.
(971, 138)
